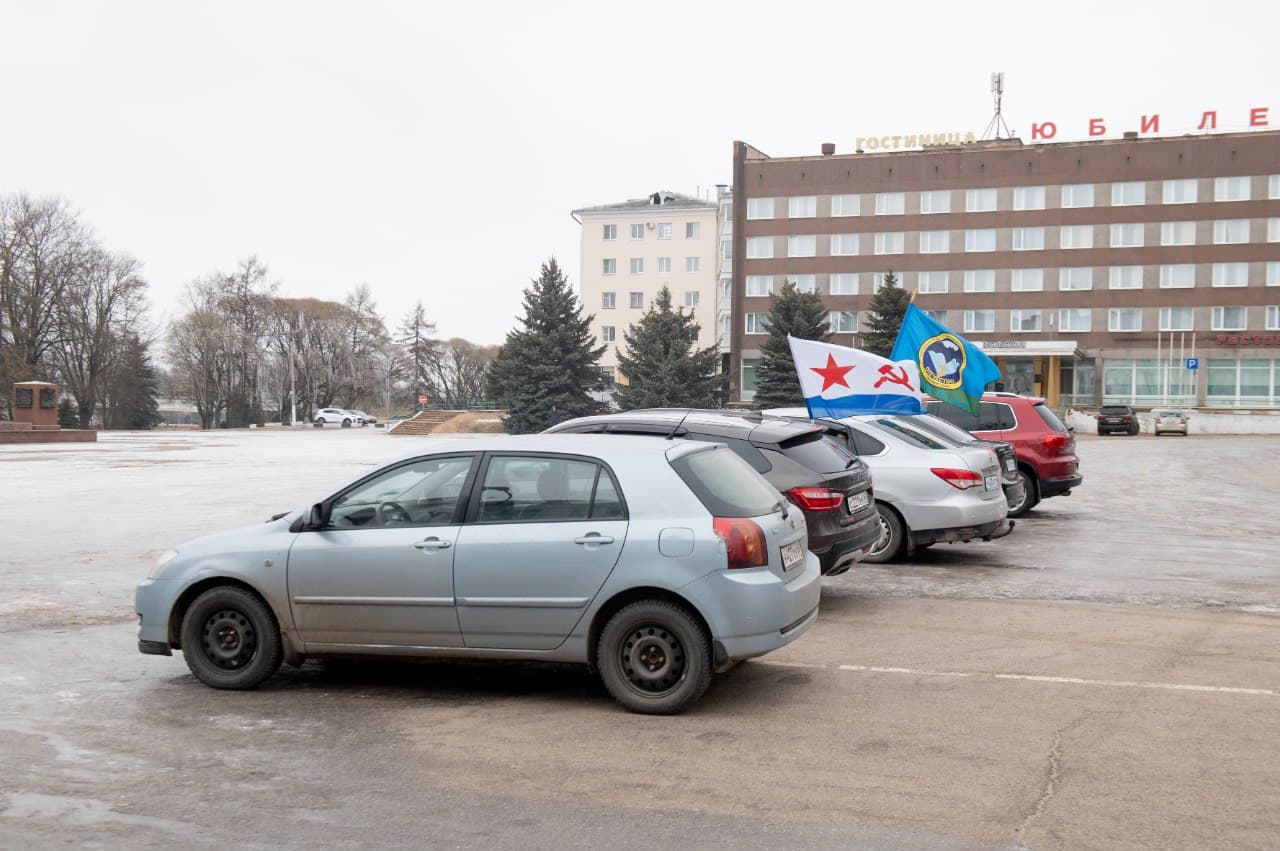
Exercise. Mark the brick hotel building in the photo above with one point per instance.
(1089, 270)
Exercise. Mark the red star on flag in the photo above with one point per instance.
(832, 374)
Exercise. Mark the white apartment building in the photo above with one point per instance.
(630, 250)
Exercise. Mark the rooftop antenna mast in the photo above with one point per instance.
(997, 126)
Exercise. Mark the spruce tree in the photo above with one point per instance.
(888, 306)
(662, 364)
(544, 371)
(801, 315)
(138, 388)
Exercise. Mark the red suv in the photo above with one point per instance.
(1046, 449)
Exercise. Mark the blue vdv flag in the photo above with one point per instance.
(951, 368)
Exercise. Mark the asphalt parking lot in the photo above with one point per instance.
(1107, 676)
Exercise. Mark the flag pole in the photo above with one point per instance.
(913, 297)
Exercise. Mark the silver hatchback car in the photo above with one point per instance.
(655, 562)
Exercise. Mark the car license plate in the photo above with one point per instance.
(1114, 420)
(991, 483)
(792, 555)
(858, 501)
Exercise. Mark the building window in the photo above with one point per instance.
(757, 323)
(664, 230)
(1180, 191)
(609, 266)
(844, 244)
(759, 208)
(692, 230)
(1273, 230)
(1176, 319)
(1178, 233)
(758, 285)
(939, 316)
(889, 243)
(1231, 189)
(1177, 276)
(637, 231)
(1125, 278)
(608, 300)
(1273, 274)
(1126, 235)
(877, 281)
(1230, 318)
(664, 265)
(759, 247)
(979, 321)
(691, 298)
(726, 327)
(1075, 278)
(934, 282)
(610, 233)
(979, 200)
(608, 334)
(980, 281)
(1232, 381)
(1128, 194)
(1230, 231)
(805, 283)
(846, 283)
(935, 201)
(637, 265)
(1123, 319)
(636, 299)
(802, 207)
(890, 203)
(1028, 198)
(1024, 321)
(1027, 280)
(1273, 317)
(726, 290)
(1028, 239)
(1075, 319)
(843, 321)
(726, 249)
(846, 205)
(935, 241)
(1077, 195)
(1077, 236)
(608, 374)
(1273, 186)
(693, 264)
(983, 239)
(1231, 274)
(749, 377)
(802, 246)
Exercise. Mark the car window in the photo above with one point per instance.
(745, 449)
(865, 444)
(534, 489)
(992, 417)
(913, 436)
(725, 484)
(957, 417)
(1115, 410)
(420, 493)
(818, 452)
(1050, 418)
(942, 428)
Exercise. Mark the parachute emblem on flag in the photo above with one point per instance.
(942, 361)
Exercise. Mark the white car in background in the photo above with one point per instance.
(340, 416)
(366, 419)
(928, 489)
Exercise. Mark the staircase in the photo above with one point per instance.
(423, 422)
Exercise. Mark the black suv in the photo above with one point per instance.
(814, 471)
(1117, 419)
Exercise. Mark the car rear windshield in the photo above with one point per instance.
(1113, 409)
(913, 436)
(726, 484)
(1169, 414)
(818, 452)
(1050, 418)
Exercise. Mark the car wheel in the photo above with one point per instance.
(654, 657)
(1030, 494)
(320, 420)
(230, 639)
(892, 536)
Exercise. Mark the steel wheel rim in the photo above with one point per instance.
(1022, 479)
(886, 537)
(653, 660)
(229, 640)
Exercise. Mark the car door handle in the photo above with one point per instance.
(593, 538)
(433, 544)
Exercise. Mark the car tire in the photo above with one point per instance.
(320, 420)
(230, 639)
(1030, 494)
(891, 540)
(654, 657)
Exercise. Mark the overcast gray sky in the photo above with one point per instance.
(434, 151)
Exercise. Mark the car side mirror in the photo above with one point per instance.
(1071, 428)
(317, 517)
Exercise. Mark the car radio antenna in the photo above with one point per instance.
(672, 434)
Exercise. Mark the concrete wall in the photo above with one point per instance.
(1198, 422)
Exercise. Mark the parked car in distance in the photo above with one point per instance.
(1168, 421)
(333, 415)
(365, 419)
(927, 489)
(1015, 493)
(1117, 419)
(1047, 462)
(820, 476)
(656, 562)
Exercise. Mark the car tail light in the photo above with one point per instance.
(815, 499)
(961, 479)
(744, 540)
(1057, 442)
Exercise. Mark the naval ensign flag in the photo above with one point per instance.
(838, 381)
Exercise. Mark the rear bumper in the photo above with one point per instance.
(985, 532)
(1059, 485)
(839, 553)
(1014, 492)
